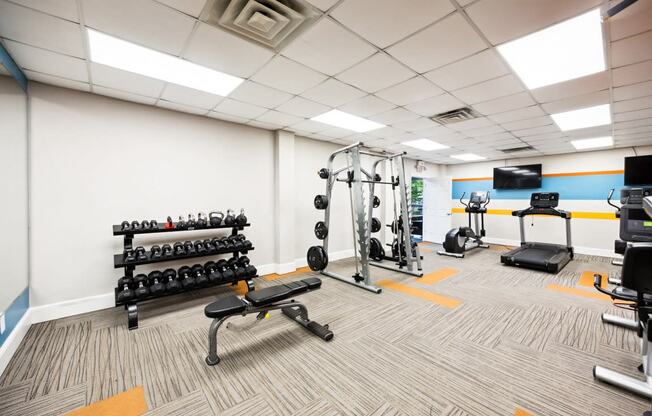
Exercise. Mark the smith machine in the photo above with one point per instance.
(362, 220)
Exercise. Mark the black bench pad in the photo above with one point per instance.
(279, 292)
(224, 307)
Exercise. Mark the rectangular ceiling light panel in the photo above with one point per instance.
(347, 121)
(583, 118)
(468, 157)
(425, 144)
(117, 53)
(567, 50)
(593, 143)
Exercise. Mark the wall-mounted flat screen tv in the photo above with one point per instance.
(638, 170)
(517, 177)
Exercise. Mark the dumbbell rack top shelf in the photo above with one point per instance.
(118, 261)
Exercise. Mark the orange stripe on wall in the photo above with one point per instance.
(575, 214)
(550, 175)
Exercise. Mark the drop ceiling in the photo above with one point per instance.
(397, 63)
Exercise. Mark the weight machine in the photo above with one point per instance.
(357, 179)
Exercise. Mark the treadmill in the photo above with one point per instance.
(541, 256)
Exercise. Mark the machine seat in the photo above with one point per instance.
(226, 306)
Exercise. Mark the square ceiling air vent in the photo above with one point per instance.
(455, 116)
(517, 149)
(271, 23)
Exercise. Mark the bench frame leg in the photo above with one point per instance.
(291, 308)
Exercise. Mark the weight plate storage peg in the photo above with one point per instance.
(321, 202)
(321, 231)
(317, 258)
(323, 173)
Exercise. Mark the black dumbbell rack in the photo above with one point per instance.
(129, 266)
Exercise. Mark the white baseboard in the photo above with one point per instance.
(72, 307)
(283, 268)
(14, 339)
(590, 251)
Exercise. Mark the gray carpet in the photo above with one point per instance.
(511, 345)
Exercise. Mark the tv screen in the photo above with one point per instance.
(517, 177)
(638, 170)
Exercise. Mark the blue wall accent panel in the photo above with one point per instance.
(13, 69)
(14, 313)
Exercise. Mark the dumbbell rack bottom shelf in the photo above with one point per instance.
(119, 262)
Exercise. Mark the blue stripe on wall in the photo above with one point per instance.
(13, 69)
(14, 313)
(583, 187)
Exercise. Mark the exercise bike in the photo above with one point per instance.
(463, 239)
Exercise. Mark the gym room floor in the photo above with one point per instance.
(472, 337)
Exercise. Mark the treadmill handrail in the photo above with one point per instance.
(542, 211)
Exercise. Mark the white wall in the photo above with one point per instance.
(589, 235)
(97, 161)
(13, 180)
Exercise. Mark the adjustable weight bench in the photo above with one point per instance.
(261, 301)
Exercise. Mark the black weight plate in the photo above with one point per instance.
(376, 251)
(321, 231)
(321, 202)
(323, 173)
(375, 225)
(317, 258)
(376, 201)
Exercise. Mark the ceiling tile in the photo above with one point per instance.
(367, 106)
(528, 123)
(328, 47)
(225, 52)
(498, 87)
(631, 74)
(65, 9)
(303, 108)
(425, 50)
(394, 116)
(634, 104)
(634, 123)
(227, 117)
(287, 75)
(181, 107)
(503, 20)
(336, 133)
(470, 124)
(435, 105)
(310, 126)
(520, 114)
(117, 79)
(484, 131)
(414, 125)
(578, 86)
(46, 62)
(240, 109)
(590, 132)
(580, 101)
(144, 22)
(384, 22)
(632, 91)
(385, 132)
(333, 93)
(189, 7)
(476, 68)
(123, 95)
(552, 128)
(632, 20)
(498, 137)
(631, 50)
(253, 93)
(323, 4)
(635, 130)
(410, 91)
(44, 31)
(503, 104)
(367, 76)
(56, 81)
(263, 125)
(189, 96)
(279, 118)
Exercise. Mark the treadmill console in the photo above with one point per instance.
(544, 200)
(634, 195)
(635, 223)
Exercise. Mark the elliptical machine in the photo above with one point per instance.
(463, 239)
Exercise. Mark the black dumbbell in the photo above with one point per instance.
(179, 249)
(202, 222)
(144, 225)
(156, 286)
(157, 253)
(125, 225)
(135, 225)
(238, 271)
(228, 244)
(181, 224)
(244, 261)
(153, 224)
(172, 285)
(140, 281)
(126, 292)
(166, 250)
(192, 223)
(129, 255)
(199, 247)
(217, 242)
(214, 275)
(230, 218)
(190, 247)
(140, 253)
(201, 279)
(237, 243)
(185, 275)
(227, 273)
(241, 219)
(208, 245)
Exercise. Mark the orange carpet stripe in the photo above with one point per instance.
(241, 288)
(586, 279)
(578, 292)
(129, 403)
(521, 412)
(418, 293)
(438, 276)
(274, 276)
